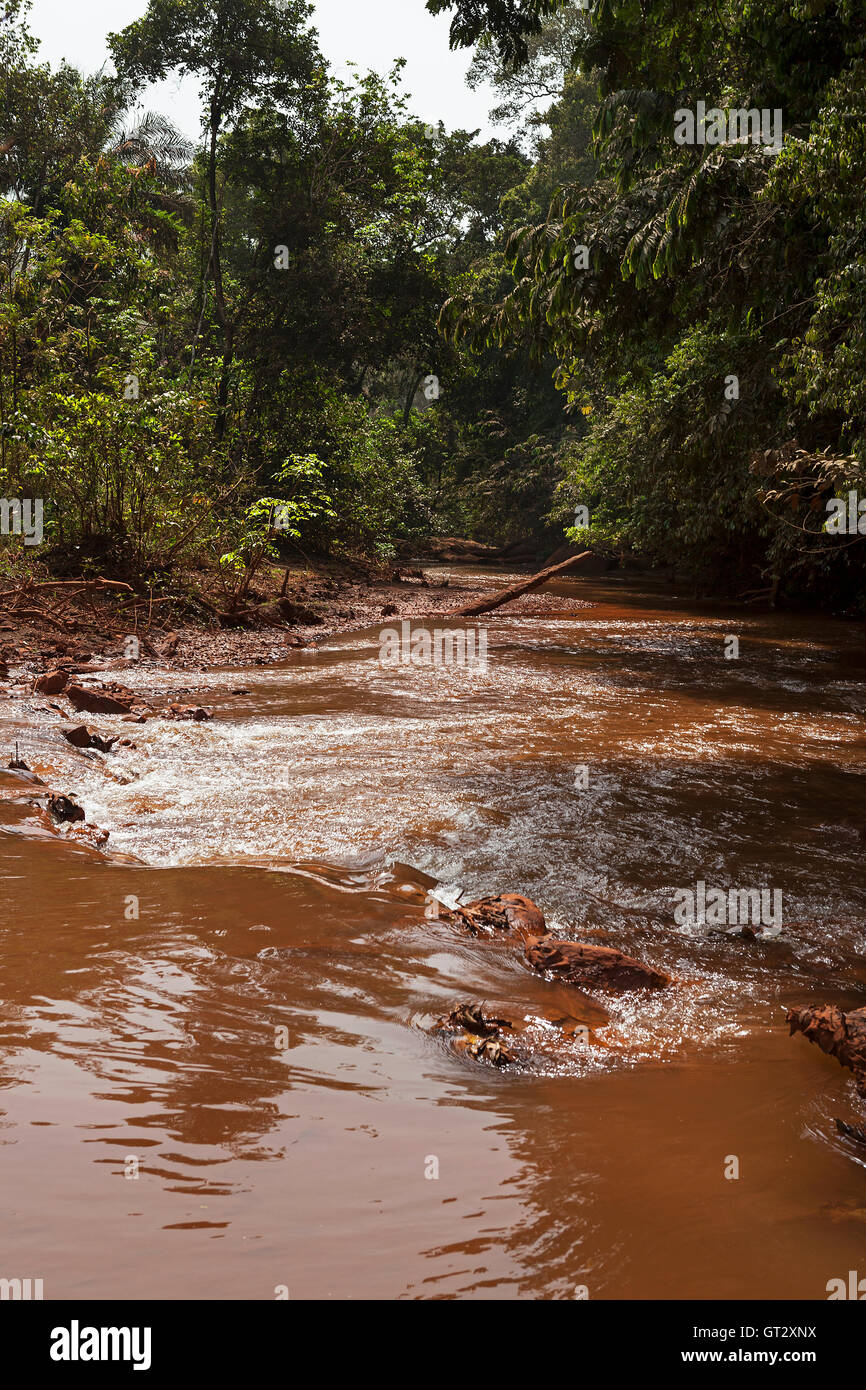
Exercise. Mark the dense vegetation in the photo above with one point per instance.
(327, 325)
(704, 262)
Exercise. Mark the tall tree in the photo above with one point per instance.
(242, 51)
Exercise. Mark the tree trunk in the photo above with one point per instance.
(507, 595)
(410, 397)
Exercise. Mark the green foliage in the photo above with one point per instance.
(126, 483)
(665, 467)
(510, 22)
(703, 262)
(302, 499)
(273, 294)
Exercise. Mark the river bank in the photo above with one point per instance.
(38, 626)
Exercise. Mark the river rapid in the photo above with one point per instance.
(218, 1077)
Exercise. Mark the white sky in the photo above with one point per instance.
(370, 33)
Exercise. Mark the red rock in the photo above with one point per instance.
(576, 962)
(580, 964)
(98, 701)
(479, 1035)
(82, 737)
(62, 808)
(51, 683)
(79, 737)
(188, 712)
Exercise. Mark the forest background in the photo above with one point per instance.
(330, 327)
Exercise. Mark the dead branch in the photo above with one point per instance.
(470, 610)
(39, 615)
(81, 583)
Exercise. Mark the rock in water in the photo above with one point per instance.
(507, 912)
(52, 683)
(478, 1035)
(472, 1019)
(842, 1035)
(503, 1041)
(195, 712)
(100, 700)
(599, 966)
(82, 737)
(62, 808)
(511, 914)
(851, 1131)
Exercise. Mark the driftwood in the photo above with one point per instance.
(575, 962)
(841, 1034)
(26, 593)
(579, 963)
(40, 616)
(471, 610)
(81, 584)
(73, 588)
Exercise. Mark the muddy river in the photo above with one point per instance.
(218, 1077)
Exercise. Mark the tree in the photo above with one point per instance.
(241, 50)
(509, 22)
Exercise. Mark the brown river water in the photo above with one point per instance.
(256, 1041)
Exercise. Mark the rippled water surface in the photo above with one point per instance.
(257, 1038)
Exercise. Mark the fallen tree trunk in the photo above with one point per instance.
(575, 962)
(471, 610)
(841, 1034)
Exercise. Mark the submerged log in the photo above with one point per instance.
(600, 966)
(575, 962)
(506, 912)
(471, 610)
(842, 1035)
